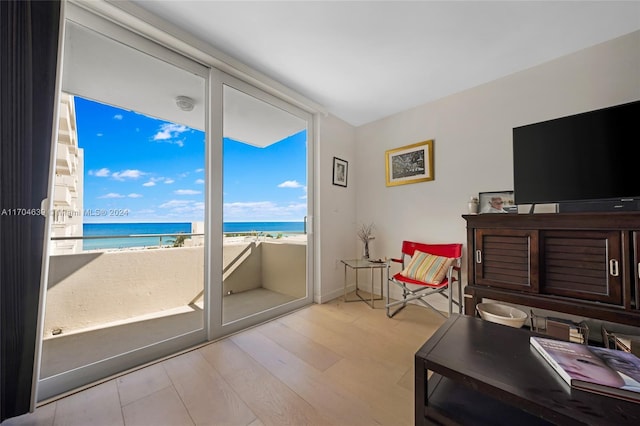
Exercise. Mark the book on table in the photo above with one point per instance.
(605, 371)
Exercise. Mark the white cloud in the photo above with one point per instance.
(199, 181)
(169, 132)
(103, 172)
(184, 207)
(169, 181)
(99, 134)
(186, 192)
(112, 195)
(117, 117)
(127, 174)
(290, 184)
(175, 203)
(261, 210)
(199, 170)
(150, 183)
(134, 195)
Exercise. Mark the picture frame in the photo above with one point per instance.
(410, 164)
(496, 202)
(340, 171)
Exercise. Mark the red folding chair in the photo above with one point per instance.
(432, 261)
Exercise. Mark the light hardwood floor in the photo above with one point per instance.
(332, 364)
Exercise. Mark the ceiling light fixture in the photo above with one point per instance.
(185, 103)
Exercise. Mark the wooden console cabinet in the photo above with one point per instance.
(584, 264)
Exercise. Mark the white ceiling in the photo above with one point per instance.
(365, 60)
(98, 68)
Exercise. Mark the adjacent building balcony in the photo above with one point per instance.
(62, 196)
(64, 160)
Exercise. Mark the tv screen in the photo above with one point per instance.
(584, 157)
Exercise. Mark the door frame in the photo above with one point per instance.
(217, 328)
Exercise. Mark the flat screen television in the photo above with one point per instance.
(585, 157)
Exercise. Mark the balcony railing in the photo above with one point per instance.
(149, 242)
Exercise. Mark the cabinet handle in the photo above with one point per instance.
(613, 267)
(638, 269)
(478, 256)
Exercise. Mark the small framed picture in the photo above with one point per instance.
(496, 202)
(340, 170)
(410, 164)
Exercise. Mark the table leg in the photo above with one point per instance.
(420, 390)
(345, 282)
(372, 277)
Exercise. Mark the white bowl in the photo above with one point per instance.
(501, 314)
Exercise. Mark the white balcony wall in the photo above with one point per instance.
(98, 289)
(284, 268)
(90, 290)
(278, 266)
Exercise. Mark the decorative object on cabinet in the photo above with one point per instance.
(472, 206)
(497, 202)
(340, 169)
(620, 341)
(560, 328)
(410, 164)
(502, 314)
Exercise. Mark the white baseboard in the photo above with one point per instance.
(327, 297)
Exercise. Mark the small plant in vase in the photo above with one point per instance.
(365, 233)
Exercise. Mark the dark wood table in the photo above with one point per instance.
(487, 374)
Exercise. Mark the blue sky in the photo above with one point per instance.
(155, 171)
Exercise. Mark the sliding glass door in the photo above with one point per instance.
(266, 239)
(180, 202)
(126, 281)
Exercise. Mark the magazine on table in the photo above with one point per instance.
(605, 371)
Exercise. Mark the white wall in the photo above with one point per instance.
(472, 132)
(336, 218)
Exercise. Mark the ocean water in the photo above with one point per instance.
(148, 234)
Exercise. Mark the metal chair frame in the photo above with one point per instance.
(448, 250)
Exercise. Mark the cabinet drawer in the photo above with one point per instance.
(504, 258)
(584, 265)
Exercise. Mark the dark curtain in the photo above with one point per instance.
(29, 41)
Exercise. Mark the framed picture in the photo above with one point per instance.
(496, 202)
(340, 169)
(410, 164)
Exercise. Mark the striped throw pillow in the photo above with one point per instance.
(427, 267)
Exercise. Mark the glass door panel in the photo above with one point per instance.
(265, 207)
(127, 254)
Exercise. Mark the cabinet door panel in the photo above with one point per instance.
(503, 258)
(585, 265)
(635, 278)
